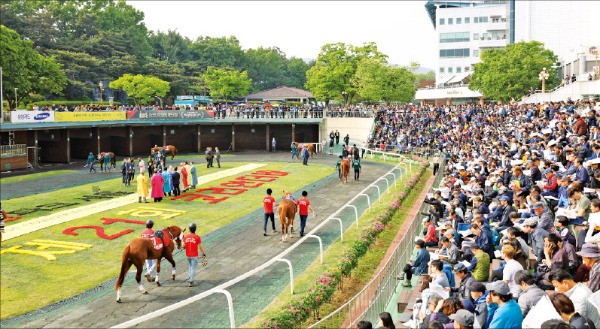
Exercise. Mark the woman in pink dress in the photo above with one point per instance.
(157, 183)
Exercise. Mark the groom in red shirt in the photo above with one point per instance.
(192, 243)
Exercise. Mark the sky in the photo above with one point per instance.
(401, 29)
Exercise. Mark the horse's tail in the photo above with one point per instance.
(124, 267)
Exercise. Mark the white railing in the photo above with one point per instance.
(279, 258)
(377, 294)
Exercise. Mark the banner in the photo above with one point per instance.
(23, 116)
(167, 114)
(89, 116)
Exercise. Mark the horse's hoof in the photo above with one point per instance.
(173, 277)
(119, 300)
(157, 284)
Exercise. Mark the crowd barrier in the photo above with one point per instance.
(377, 294)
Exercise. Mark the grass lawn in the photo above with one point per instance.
(44, 204)
(22, 178)
(366, 265)
(33, 280)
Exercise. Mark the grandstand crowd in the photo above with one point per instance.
(512, 234)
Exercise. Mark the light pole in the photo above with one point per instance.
(543, 77)
(16, 99)
(100, 85)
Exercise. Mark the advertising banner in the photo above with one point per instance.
(89, 116)
(23, 116)
(167, 115)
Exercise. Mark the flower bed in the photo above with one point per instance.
(300, 309)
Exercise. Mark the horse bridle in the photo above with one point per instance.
(179, 237)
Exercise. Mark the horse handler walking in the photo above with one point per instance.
(193, 242)
(304, 206)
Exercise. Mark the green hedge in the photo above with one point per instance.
(299, 310)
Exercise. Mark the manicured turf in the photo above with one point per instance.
(33, 282)
(22, 178)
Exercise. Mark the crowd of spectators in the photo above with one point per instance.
(512, 234)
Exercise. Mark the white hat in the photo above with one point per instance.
(552, 142)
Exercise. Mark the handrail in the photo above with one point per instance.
(392, 265)
(246, 275)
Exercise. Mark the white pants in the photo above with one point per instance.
(150, 266)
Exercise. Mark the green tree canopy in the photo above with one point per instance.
(333, 75)
(142, 89)
(227, 83)
(26, 69)
(375, 81)
(511, 72)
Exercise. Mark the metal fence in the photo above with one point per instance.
(341, 113)
(377, 294)
(13, 150)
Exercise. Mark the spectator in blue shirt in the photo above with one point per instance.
(503, 311)
(483, 240)
(417, 266)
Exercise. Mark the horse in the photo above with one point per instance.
(138, 250)
(287, 213)
(169, 149)
(310, 147)
(345, 168)
(113, 159)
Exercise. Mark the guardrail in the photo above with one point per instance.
(335, 113)
(12, 150)
(377, 294)
(279, 258)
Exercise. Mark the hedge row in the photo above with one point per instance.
(300, 309)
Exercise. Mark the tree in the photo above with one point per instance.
(375, 81)
(142, 89)
(227, 83)
(25, 69)
(332, 76)
(511, 72)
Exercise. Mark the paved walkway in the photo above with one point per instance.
(233, 250)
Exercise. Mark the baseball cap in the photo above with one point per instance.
(504, 198)
(499, 287)
(459, 267)
(538, 205)
(477, 287)
(530, 222)
(463, 317)
(547, 171)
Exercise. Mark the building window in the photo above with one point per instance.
(441, 70)
(450, 21)
(483, 19)
(467, 20)
(458, 69)
(476, 53)
(459, 20)
(452, 53)
(454, 37)
(449, 70)
(476, 19)
(442, 21)
(475, 36)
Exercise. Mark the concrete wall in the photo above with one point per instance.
(358, 128)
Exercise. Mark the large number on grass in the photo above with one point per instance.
(100, 230)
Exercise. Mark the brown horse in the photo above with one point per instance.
(287, 213)
(138, 250)
(345, 168)
(311, 148)
(113, 159)
(169, 150)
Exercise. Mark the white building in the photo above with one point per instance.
(467, 27)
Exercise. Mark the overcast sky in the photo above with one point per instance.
(401, 29)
